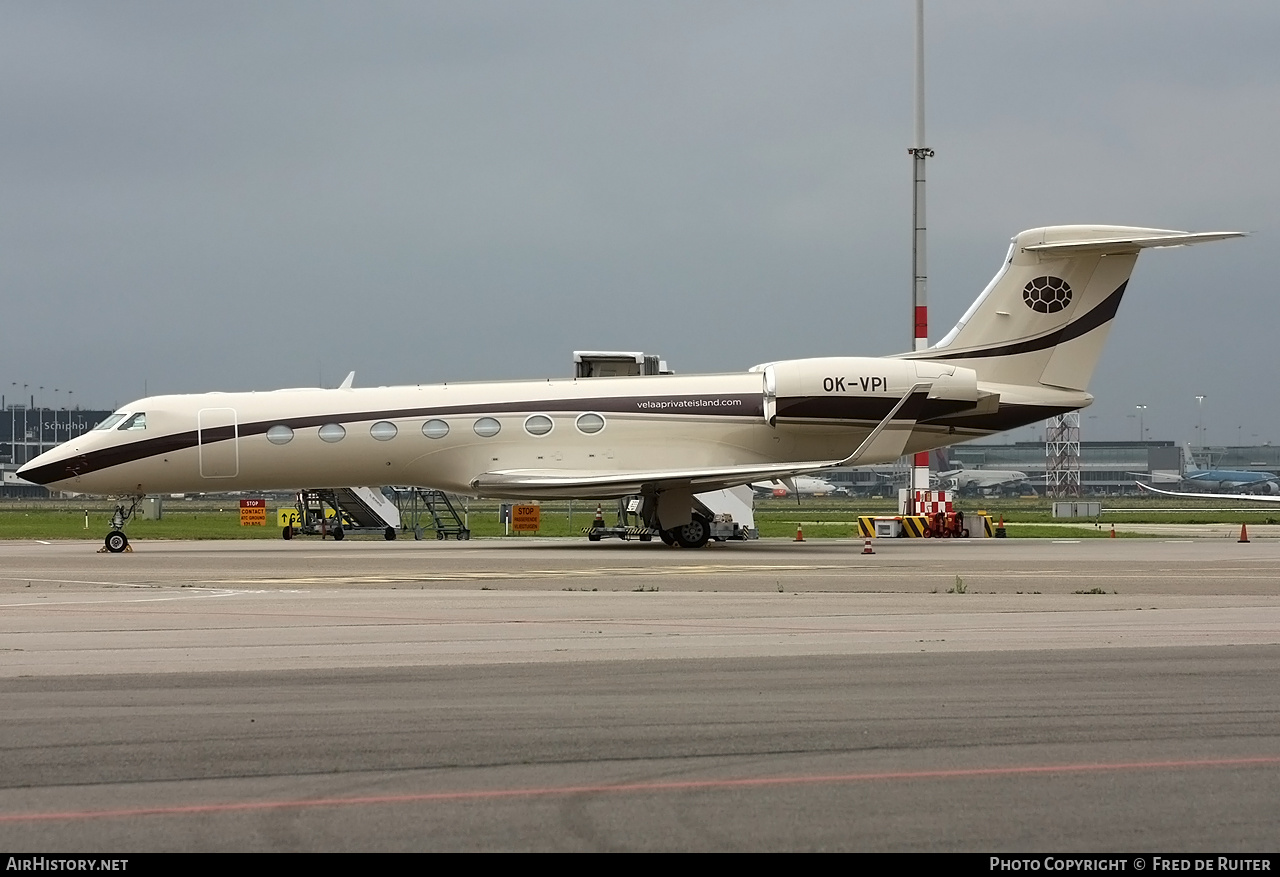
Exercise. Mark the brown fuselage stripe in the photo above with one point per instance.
(1104, 313)
(859, 408)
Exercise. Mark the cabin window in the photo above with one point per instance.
(487, 427)
(111, 421)
(590, 423)
(435, 429)
(137, 421)
(383, 430)
(538, 424)
(280, 434)
(332, 432)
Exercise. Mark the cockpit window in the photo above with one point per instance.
(111, 421)
(137, 421)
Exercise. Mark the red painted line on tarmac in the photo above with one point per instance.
(633, 788)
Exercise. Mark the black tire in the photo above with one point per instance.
(668, 537)
(440, 535)
(645, 537)
(286, 533)
(338, 534)
(463, 535)
(694, 534)
(390, 534)
(116, 541)
(593, 537)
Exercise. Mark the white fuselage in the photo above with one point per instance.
(442, 436)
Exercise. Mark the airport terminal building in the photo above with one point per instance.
(26, 433)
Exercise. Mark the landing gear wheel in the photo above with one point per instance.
(390, 534)
(338, 534)
(694, 534)
(116, 541)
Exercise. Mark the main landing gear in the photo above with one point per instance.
(694, 534)
(116, 541)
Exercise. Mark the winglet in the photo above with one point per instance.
(347, 381)
(1243, 497)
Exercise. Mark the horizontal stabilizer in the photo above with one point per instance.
(1131, 243)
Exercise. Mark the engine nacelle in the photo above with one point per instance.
(856, 387)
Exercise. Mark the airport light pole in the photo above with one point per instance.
(1142, 432)
(1200, 418)
(919, 297)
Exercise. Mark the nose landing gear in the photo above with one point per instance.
(116, 541)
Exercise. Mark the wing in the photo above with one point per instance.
(588, 484)
(885, 442)
(1245, 497)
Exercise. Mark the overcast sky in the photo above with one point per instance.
(246, 195)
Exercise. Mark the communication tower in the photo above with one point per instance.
(1062, 455)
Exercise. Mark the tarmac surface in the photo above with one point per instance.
(989, 695)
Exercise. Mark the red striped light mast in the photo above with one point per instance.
(919, 296)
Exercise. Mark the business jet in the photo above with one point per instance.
(1023, 351)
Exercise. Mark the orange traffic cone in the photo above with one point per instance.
(1244, 534)
(599, 521)
(866, 546)
(1113, 531)
(799, 533)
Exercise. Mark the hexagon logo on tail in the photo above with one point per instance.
(1046, 295)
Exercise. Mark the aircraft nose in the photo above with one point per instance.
(33, 473)
(43, 471)
(27, 472)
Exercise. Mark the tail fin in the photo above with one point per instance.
(1190, 467)
(1044, 317)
